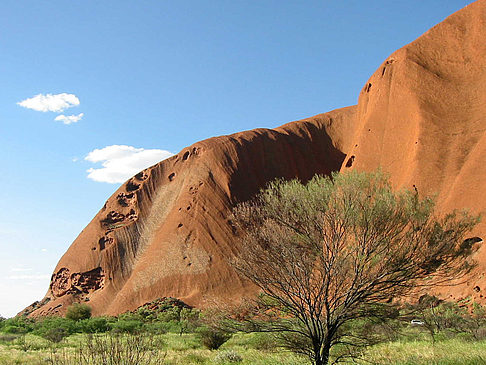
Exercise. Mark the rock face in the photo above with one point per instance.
(422, 118)
(167, 233)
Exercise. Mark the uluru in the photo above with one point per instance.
(167, 231)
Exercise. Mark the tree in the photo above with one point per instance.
(78, 311)
(341, 248)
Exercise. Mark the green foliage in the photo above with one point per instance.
(23, 343)
(189, 320)
(119, 350)
(130, 316)
(170, 314)
(43, 326)
(228, 357)
(413, 347)
(262, 341)
(17, 325)
(55, 335)
(146, 314)
(212, 338)
(78, 311)
(8, 338)
(354, 240)
(157, 328)
(127, 326)
(93, 325)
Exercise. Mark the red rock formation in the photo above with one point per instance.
(166, 232)
(422, 118)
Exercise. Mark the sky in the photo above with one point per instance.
(94, 91)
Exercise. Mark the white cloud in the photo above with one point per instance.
(120, 162)
(68, 119)
(50, 103)
(20, 269)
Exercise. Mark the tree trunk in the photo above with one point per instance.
(321, 356)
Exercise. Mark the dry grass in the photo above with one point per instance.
(186, 350)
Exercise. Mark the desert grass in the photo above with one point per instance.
(252, 349)
(444, 352)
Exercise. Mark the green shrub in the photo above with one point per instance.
(56, 335)
(44, 325)
(23, 344)
(126, 326)
(170, 314)
(78, 311)
(93, 325)
(157, 328)
(129, 316)
(228, 356)
(146, 314)
(7, 338)
(120, 350)
(212, 338)
(262, 341)
(17, 325)
(194, 359)
(14, 329)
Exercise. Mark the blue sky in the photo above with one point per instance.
(151, 77)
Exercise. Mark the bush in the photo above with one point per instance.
(213, 339)
(228, 356)
(42, 326)
(93, 325)
(14, 329)
(157, 328)
(17, 325)
(263, 342)
(78, 311)
(23, 344)
(120, 350)
(7, 338)
(56, 335)
(129, 316)
(127, 326)
(171, 314)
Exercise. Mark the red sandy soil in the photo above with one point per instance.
(167, 231)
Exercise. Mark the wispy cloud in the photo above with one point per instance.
(20, 269)
(120, 162)
(50, 103)
(68, 119)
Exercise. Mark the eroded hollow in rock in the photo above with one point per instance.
(132, 186)
(105, 241)
(350, 162)
(113, 217)
(124, 199)
(63, 282)
(60, 282)
(88, 281)
(141, 176)
(466, 247)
